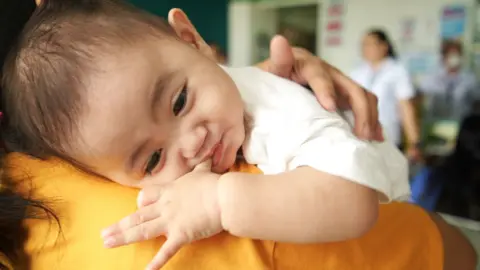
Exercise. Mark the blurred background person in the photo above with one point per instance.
(382, 74)
(451, 91)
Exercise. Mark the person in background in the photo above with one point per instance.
(390, 81)
(450, 91)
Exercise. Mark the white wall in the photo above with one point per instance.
(388, 14)
(240, 36)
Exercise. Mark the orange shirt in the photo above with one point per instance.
(403, 238)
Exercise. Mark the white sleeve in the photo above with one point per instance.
(330, 146)
(403, 86)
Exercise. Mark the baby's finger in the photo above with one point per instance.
(144, 231)
(149, 195)
(142, 215)
(204, 166)
(169, 248)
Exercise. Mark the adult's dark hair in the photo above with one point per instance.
(382, 37)
(459, 174)
(449, 45)
(14, 207)
(14, 14)
(43, 90)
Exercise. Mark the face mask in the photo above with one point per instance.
(453, 61)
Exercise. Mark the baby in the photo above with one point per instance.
(122, 95)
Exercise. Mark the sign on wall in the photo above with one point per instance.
(452, 22)
(408, 27)
(335, 23)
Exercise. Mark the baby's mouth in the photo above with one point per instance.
(217, 154)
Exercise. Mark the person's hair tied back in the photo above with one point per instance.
(383, 37)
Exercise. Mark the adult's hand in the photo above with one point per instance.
(331, 87)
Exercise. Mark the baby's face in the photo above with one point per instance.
(155, 111)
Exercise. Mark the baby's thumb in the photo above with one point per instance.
(204, 166)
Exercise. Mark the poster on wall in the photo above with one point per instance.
(407, 30)
(452, 22)
(419, 63)
(335, 24)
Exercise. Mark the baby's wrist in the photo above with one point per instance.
(216, 209)
(224, 201)
(233, 193)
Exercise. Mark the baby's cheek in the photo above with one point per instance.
(125, 179)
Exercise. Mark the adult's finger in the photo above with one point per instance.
(168, 249)
(142, 232)
(321, 84)
(142, 215)
(281, 57)
(373, 107)
(357, 97)
(377, 134)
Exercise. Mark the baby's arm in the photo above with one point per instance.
(303, 206)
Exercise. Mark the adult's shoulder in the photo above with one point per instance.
(85, 204)
(82, 205)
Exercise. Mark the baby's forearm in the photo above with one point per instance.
(300, 206)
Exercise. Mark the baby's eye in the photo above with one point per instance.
(179, 104)
(153, 161)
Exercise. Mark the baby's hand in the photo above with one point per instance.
(184, 211)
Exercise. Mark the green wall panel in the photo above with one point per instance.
(210, 17)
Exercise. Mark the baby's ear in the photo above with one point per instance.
(184, 28)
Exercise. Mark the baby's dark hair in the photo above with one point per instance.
(44, 79)
(47, 71)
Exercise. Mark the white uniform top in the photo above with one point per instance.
(290, 129)
(449, 96)
(390, 83)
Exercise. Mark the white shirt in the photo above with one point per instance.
(290, 129)
(449, 96)
(390, 83)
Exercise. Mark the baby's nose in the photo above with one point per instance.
(191, 143)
